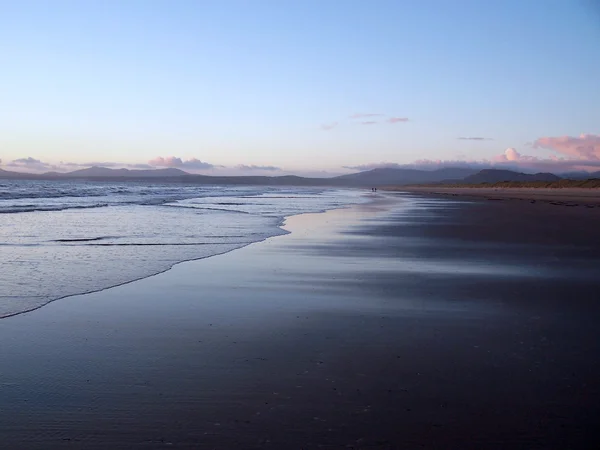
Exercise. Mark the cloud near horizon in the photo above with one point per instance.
(253, 167)
(174, 161)
(30, 163)
(91, 164)
(582, 153)
(107, 164)
(390, 120)
(585, 146)
(381, 165)
(34, 165)
(552, 164)
(511, 159)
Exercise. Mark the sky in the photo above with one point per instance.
(309, 87)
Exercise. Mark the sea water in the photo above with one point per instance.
(61, 238)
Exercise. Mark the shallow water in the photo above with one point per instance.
(61, 238)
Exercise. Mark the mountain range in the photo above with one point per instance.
(496, 176)
(390, 176)
(369, 178)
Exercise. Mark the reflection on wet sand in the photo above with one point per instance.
(409, 323)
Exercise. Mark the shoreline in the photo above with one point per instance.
(565, 195)
(6, 316)
(280, 226)
(421, 322)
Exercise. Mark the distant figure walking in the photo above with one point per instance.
(373, 189)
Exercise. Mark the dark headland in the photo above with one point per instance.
(413, 322)
(391, 178)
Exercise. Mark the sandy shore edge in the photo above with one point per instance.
(435, 324)
(565, 195)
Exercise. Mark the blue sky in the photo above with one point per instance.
(275, 83)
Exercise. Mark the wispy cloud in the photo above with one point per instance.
(33, 165)
(468, 138)
(169, 161)
(329, 126)
(585, 146)
(139, 166)
(432, 164)
(26, 161)
(258, 168)
(370, 116)
(365, 115)
(30, 164)
(371, 166)
(174, 161)
(107, 164)
(68, 165)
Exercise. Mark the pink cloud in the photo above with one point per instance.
(397, 119)
(431, 164)
(255, 167)
(512, 155)
(510, 159)
(513, 158)
(169, 161)
(30, 164)
(174, 161)
(586, 146)
(369, 122)
(371, 166)
(27, 161)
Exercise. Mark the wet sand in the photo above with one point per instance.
(413, 323)
(570, 196)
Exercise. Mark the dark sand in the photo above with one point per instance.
(425, 323)
(570, 196)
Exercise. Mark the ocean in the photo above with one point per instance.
(62, 238)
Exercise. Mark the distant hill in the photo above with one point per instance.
(369, 178)
(375, 177)
(9, 174)
(97, 173)
(18, 175)
(284, 180)
(104, 172)
(390, 176)
(496, 176)
(171, 175)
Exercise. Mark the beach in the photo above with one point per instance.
(412, 321)
(572, 196)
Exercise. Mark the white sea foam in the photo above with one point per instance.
(64, 238)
